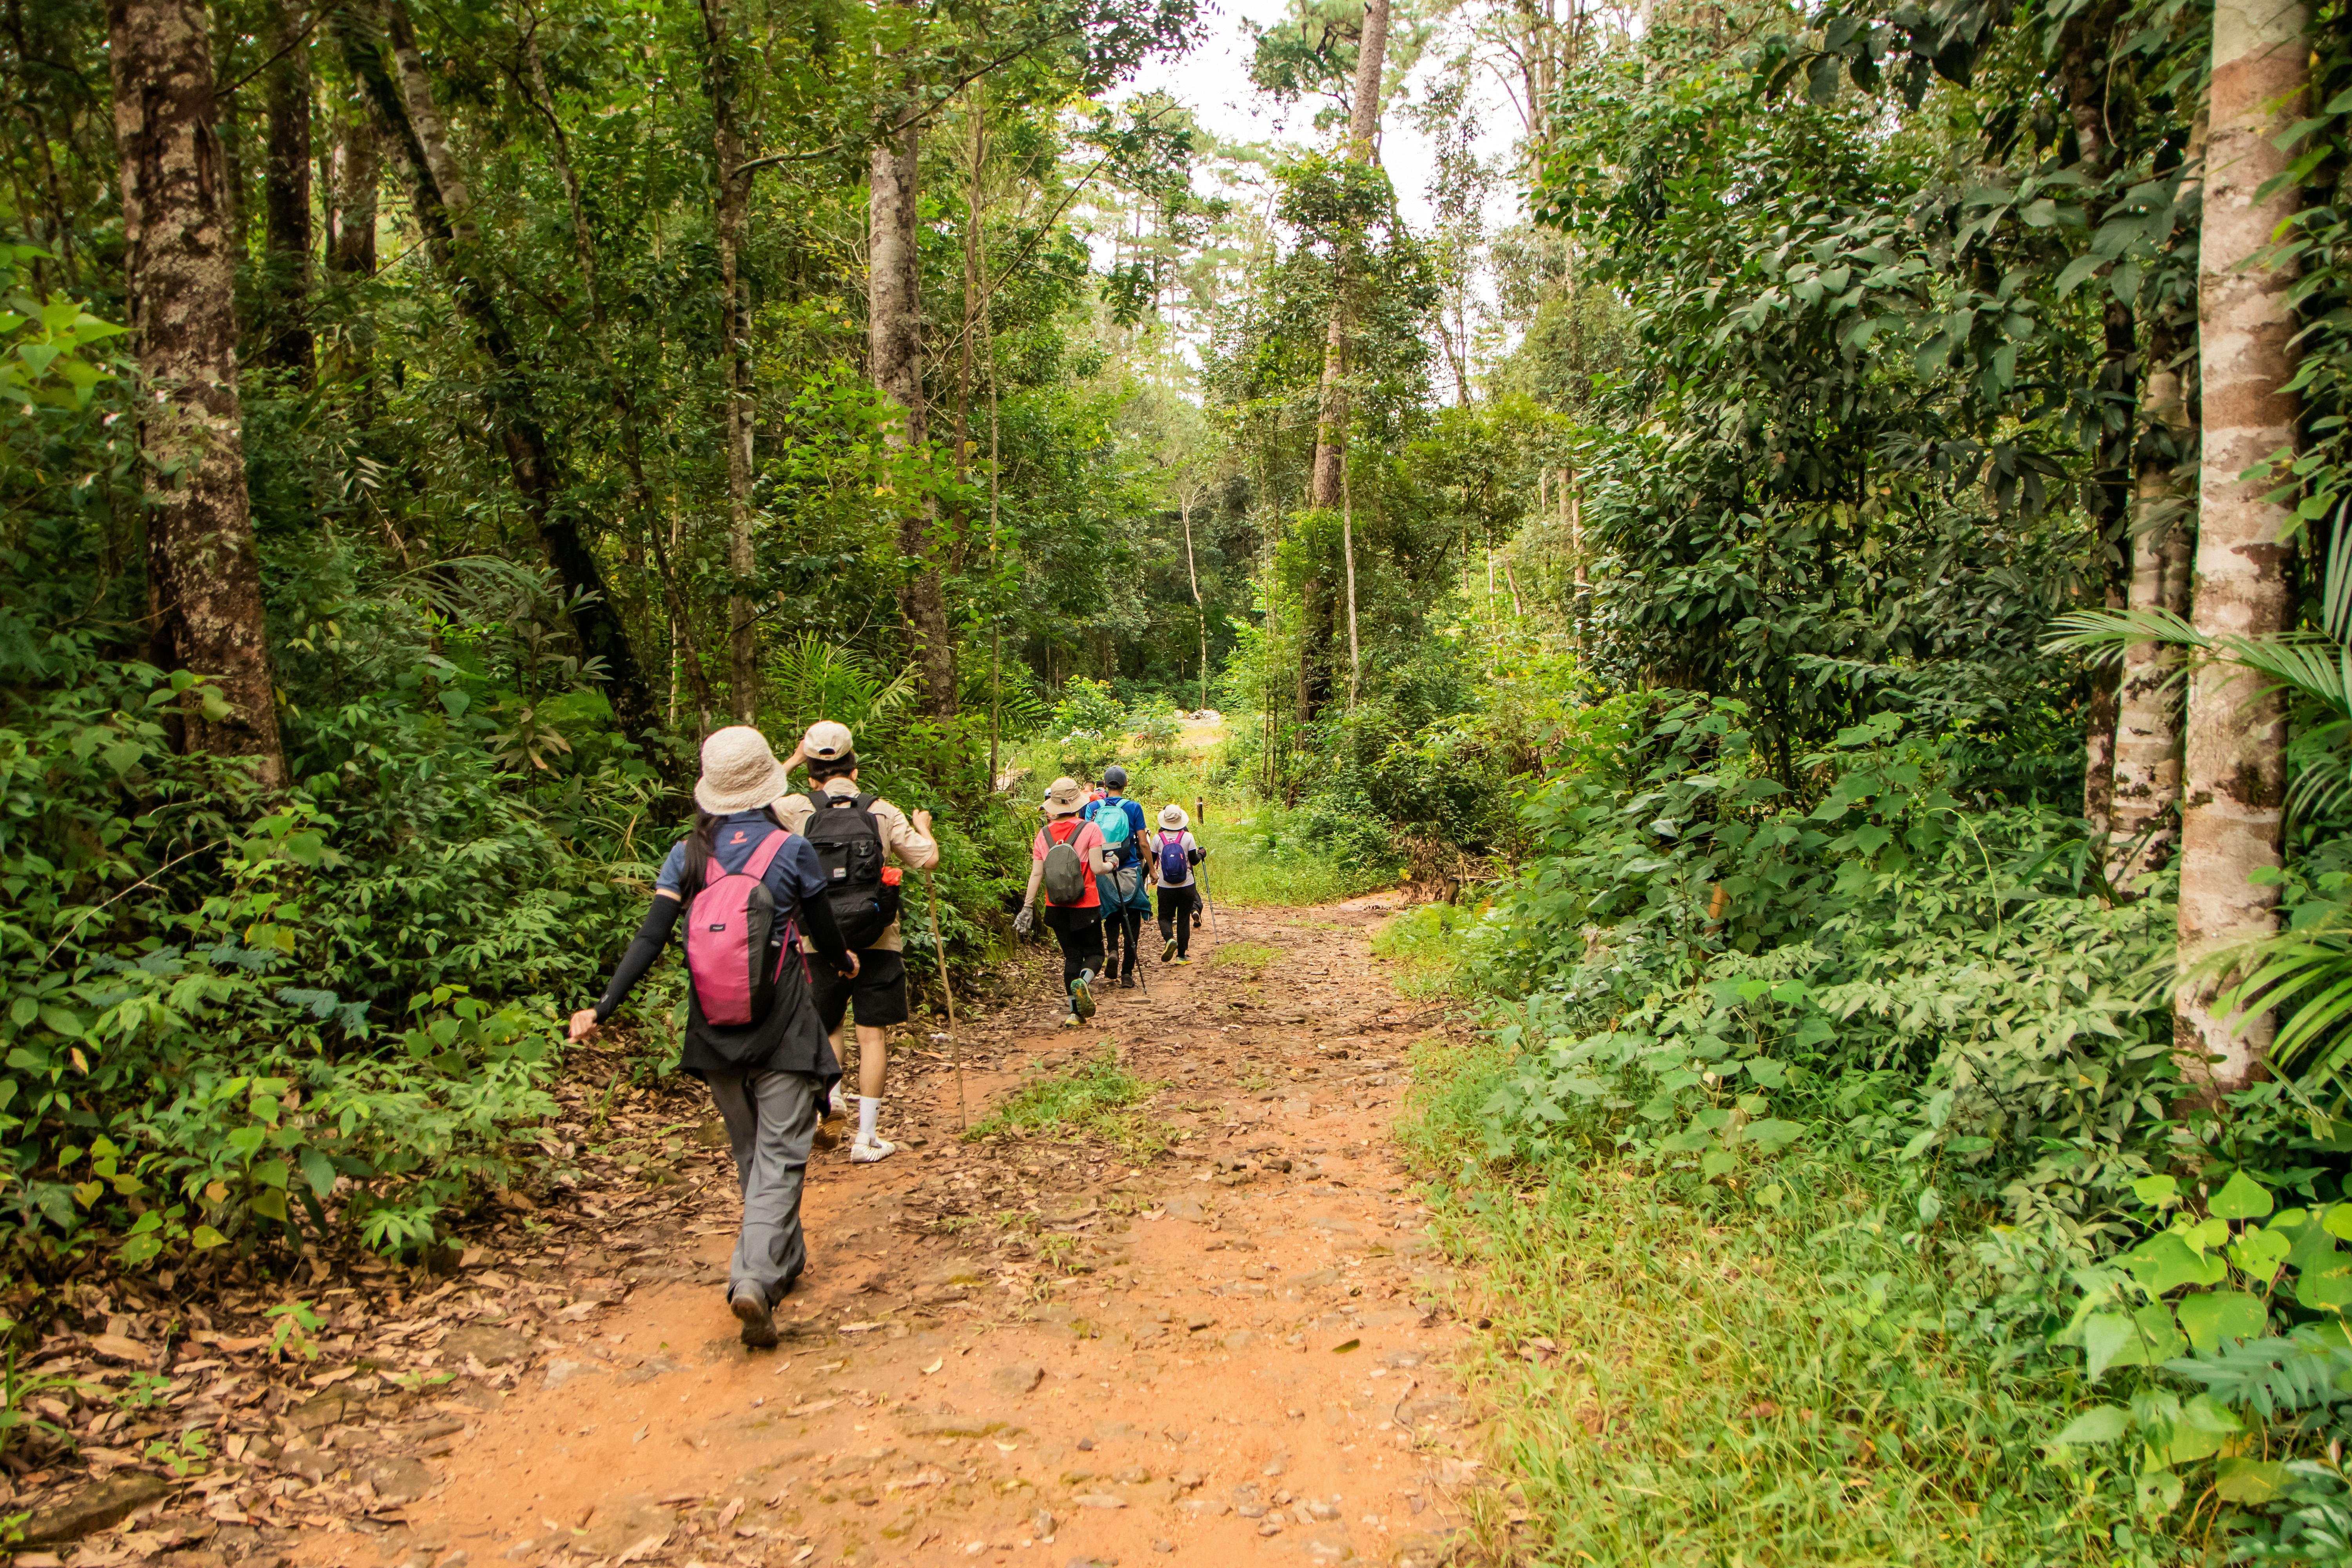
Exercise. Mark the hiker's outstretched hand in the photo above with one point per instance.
(922, 821)
(584, 1024)
(1024, 920)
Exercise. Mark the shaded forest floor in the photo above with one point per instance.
(1209, 1323)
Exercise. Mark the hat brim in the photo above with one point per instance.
(775, 786)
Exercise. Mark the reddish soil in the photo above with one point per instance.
(1051, 1350)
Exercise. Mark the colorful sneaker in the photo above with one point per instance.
(867, 1153)
(1071, 1022)
(1082, 993)
(1180, 961)
(1167, 949)
(750, 1303)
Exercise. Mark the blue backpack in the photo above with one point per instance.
(1174, 867)
(1111, 821)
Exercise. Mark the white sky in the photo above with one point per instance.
(1213, 79)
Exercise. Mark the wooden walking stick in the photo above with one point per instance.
(939, 952)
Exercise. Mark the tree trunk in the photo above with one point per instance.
(444, 217)
(204, 575)
(732, 207)
(1200, 607)
(286, 197)
(2147, 728)
(2234, 772)
(1363, 133)
(894, 339)
(351, 226)
(1348, 555)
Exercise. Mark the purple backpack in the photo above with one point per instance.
(728, 940)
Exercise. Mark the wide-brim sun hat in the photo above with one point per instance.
(1066, 797)
(1172, 818)
(739, 771)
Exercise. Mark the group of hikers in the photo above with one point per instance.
(1094, 845)
(770, 873)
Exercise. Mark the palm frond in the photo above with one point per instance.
(2102, 635)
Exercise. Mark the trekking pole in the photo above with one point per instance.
(939, 952)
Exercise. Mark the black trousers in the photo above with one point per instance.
(1176, 906)
(1117, 923)
(1080, 931)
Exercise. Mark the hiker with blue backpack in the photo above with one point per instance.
(1175, 853)
(1067, 858)
(1126, 889)
(748, 888)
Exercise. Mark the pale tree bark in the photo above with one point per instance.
(1199, 605)
(204, 575)
(731, 209)
(2234, 772)
(286, 196)
(350, 224)
(404, 110)
(2147, 720)
(894, 344)
(1363, 137)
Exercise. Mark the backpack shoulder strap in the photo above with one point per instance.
(765, 855)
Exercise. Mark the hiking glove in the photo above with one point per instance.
(1023, 920)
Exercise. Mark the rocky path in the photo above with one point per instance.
(1051, 1349)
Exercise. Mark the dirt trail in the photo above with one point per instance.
(1033, 1349)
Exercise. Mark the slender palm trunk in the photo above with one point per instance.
(204, 574)
(2234, 766)
(894, 344)
(1184, 505)
(2147, 720)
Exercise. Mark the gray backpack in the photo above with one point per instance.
(1066, 874)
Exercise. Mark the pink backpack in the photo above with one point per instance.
(728, 940)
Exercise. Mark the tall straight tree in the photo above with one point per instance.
(894, 345)
(204, 576)
(286, 194)
(2235, 769)
(1363, 140)
(731, 204)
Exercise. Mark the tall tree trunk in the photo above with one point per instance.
(2147, 728)
(444, 217)
(286, 196)
(2234, 773)
(204, 576)
(894, 340)
(1363, 134)
(351, 226)
(1200, 606)
(732, 205)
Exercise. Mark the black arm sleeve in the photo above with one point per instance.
(644, 948)
(816, 920)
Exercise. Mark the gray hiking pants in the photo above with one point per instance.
(770, 1122)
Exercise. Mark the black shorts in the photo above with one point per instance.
(879, 991)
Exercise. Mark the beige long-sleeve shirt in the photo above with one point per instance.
(901, 840)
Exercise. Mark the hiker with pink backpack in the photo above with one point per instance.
(748, 888)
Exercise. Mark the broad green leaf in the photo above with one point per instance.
(205, 1238)
(2241, 1197)
(2099, 1423)
(2261, 1253)
(2245, 1481)
(2329, 1290)
(2203, 1430)
(2156, 1192)
(2211, 1316)
(2163, 1262)
(2339, 1223)
(269, 1203)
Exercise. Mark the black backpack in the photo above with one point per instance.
(849, 844)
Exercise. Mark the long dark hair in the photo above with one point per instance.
(699, 845)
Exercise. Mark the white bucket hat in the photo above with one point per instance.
(739, 771)
(1172, 818)
(1066, 797)
(826, 741)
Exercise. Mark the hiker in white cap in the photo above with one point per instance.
(1065, 857)
(752, 1028)
(855, 836)
(1173, 854)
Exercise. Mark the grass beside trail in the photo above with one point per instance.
(1087, 1100)
(1265, 857)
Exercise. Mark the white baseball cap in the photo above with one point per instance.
(826, 741)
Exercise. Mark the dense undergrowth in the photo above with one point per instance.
(1834, 1189)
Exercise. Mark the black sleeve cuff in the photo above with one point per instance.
(644, 948)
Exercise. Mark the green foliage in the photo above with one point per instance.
(1092, 1099)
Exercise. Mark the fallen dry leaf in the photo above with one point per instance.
(118, 1347)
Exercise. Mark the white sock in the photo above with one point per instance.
(867, 1109)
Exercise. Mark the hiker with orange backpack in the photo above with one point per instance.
(752, 1034)
(1065, 857)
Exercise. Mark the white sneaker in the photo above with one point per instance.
(836, 1103)
(866, 1153)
